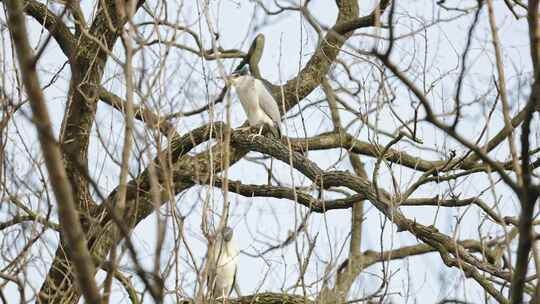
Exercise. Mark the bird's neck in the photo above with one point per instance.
(243, 80)
(228, 246)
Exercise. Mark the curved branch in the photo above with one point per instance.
(56, 27)
(322, 206)
(67, 213)
(344, 140)
(370, 257)
(303, 198)
(139, 188)
(311, 76)
(87, 69)
(141, 113)
(201, 166)
(28, 218)
(432, 118)
(528, 195)
(379, 198)
(366, 21)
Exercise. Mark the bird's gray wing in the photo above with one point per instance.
(234, 280)
(268, 103)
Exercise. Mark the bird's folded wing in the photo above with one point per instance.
(268, 103)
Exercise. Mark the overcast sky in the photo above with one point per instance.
(289, 44)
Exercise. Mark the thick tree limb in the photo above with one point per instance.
(87, 66)
(366, 21)
(241, 141)
(303, 198)
(56, 27)
(80, 118)
(311, 76)
(384, 203)
(69, 220)
(344, 140)
(264, 298)
(322, 206)
(528, 194)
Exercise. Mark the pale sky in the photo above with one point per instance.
(289, 44)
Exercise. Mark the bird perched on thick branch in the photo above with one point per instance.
(260, 106)
(223, 264)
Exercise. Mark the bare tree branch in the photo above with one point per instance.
(69, 220)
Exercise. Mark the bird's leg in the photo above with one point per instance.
(221, 296)
(253, 136)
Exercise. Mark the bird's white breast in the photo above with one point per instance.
(249, 98)
(227, 259)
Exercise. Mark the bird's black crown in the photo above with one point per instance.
(241, 72)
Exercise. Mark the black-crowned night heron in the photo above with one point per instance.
(260, 106)
(223, 264)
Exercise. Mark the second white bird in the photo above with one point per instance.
(224, 261)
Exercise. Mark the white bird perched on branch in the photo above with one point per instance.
(260, 106)
(223, 264)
